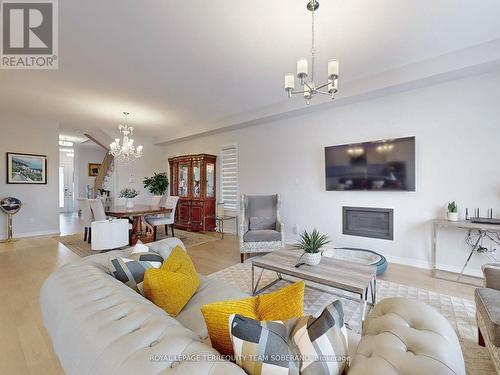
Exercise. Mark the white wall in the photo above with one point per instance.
(40, 213)
(457, 129)
(131, 174)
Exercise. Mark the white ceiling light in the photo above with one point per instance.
(126, 151)
(309, 88)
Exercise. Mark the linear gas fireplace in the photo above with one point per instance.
(368, 222)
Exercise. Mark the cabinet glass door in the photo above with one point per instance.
(210, 180)
(196, 179)
(183, 180)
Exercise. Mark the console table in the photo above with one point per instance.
(483, 231)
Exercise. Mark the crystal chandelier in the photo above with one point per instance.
(309, 88)
(126, 151)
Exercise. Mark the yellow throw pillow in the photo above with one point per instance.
(217, 315)
(282, 304)
(172, 286)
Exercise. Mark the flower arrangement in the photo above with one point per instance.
(128, 193)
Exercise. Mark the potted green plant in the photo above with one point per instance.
(311, 244)
(452, 211)
(129, 194)
(157, 184)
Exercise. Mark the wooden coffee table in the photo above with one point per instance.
(344, 275)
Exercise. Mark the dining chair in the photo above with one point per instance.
(164, 219)
(97, 209)
(110, 234)
(87, 218)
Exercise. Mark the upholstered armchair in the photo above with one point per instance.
(488, 311)
(261, 229)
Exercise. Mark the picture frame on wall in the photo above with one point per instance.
(94, 169)
(28, 169)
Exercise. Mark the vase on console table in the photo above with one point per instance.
(452, 216)
(129, 203)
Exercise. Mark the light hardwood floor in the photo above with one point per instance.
(25, 347)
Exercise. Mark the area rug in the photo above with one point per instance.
(459, 312)
(76, 244)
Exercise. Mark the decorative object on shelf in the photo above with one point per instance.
(309, 88)
(26, 169)
(129, 194)
(157, 184)
(311, 244)
(94, 169)
(10, 206)
(193, 180)
(126, 151)
(452, 211)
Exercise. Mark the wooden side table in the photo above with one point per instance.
(220, 223)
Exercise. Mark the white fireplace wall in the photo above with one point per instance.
(457, 129)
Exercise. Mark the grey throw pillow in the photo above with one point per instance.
(261, 223)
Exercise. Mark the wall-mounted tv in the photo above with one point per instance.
(386, 165)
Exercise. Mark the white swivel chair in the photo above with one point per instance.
(87, 218)
(164, 219)
(107, 234)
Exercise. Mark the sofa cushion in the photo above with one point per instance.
(265, 235)
(171, 286)
(288, 303)
(260, 223)
(131, 270)
(488, 305)
(322, 340)
(210, 290)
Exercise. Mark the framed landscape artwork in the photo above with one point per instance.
(94, 169)
(26, 169)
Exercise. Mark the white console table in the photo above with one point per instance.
(482, 231)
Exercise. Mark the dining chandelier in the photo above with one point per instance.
(126, 151)
(308, 86)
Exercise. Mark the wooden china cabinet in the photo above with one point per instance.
(192, 179)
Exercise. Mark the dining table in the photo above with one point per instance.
(141, 229)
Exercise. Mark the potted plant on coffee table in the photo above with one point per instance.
(157, 184)
(312, 244)
(129, 194)
(452, 211)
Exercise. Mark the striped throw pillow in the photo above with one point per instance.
(306, 345)
(130, 270)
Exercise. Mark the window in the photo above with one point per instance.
(229, 176)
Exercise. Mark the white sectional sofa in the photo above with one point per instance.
(98, 326)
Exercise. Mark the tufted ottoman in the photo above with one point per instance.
(402, 336)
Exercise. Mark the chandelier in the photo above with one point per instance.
(126, 151)
(309, 88)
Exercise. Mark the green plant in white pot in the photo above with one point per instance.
(129, 194)
(157, 184)
(452, 211)
(312, 244)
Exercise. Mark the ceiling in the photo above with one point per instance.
(182, 68)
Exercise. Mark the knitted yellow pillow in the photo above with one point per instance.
(282, 304)
(173, 284)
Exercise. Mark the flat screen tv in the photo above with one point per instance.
(386, 165)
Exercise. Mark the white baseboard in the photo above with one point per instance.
(35, 234)
(409, 261)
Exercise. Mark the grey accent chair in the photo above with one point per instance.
(488, 311)
(261, 229)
